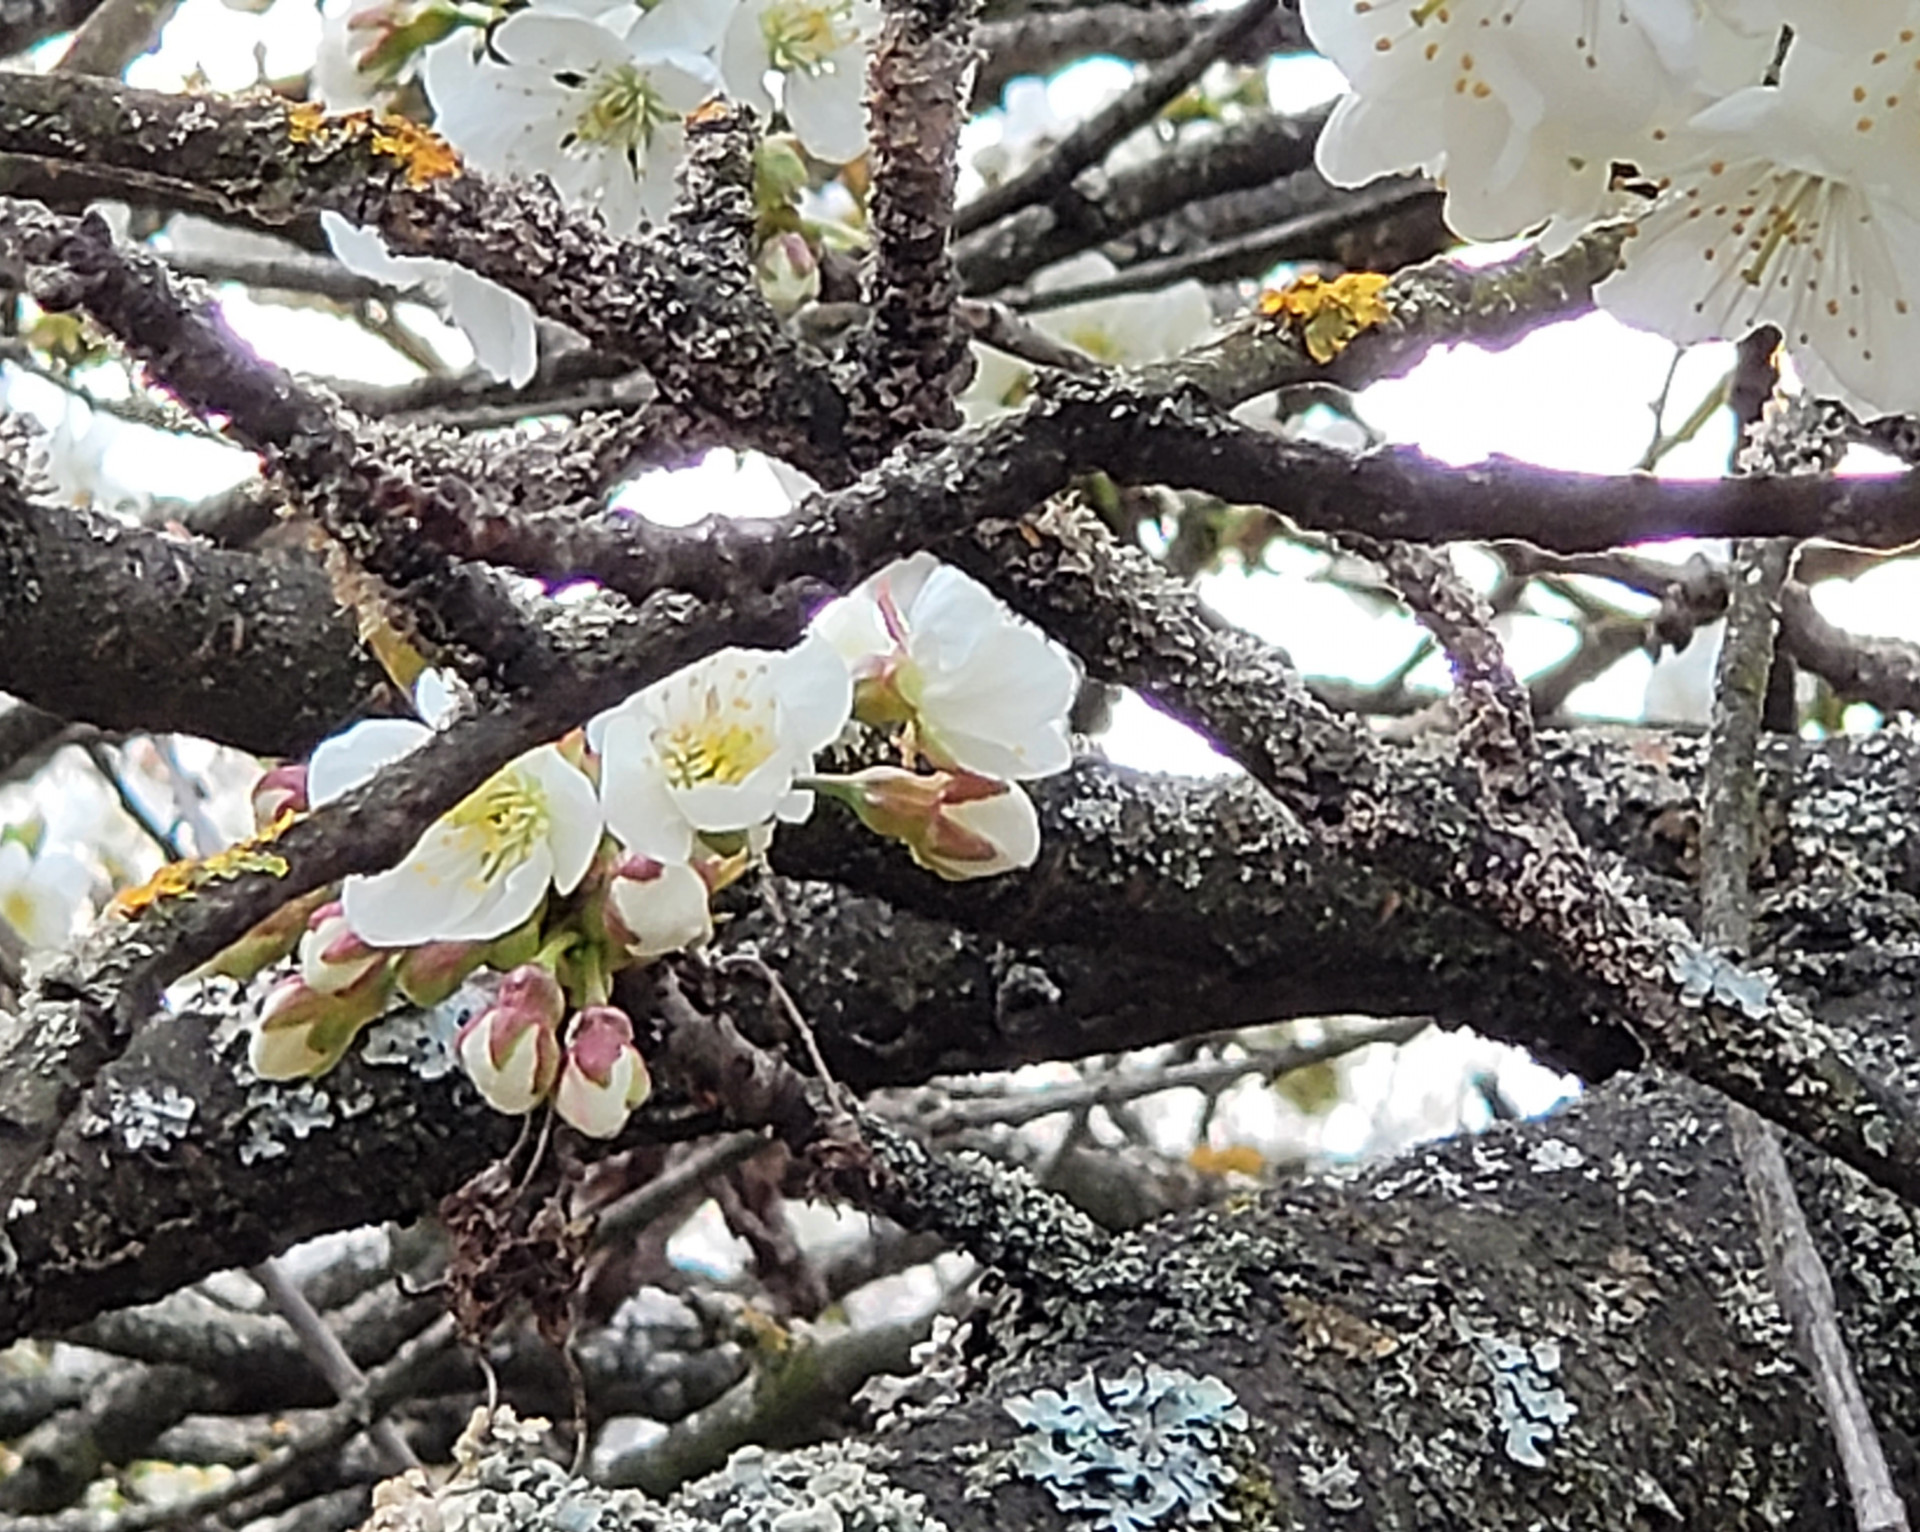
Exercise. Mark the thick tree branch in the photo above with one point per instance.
(1736, 1032)
(908, 358)
(178, 637)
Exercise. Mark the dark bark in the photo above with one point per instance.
(135, 630)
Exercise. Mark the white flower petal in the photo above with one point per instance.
(352, 759)
(828, 111)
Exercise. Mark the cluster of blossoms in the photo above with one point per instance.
(604, 850)
(1779, 139)
(594, 97)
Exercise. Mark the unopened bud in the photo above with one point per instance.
(788, 273)
(955, 824)
(332, 957)
(281, 791)
(302, 1032)
(603, 1078)
(511, 1050)
(427, 974)
(654, 908)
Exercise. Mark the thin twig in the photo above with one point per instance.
(1730, 793)
(330, 1358)
(996, 325)
(329, 1431)
(1089, 142)
(1115, 1086)
(789, 1008)
(1311, 233)
(161, 835)
(644, 1204)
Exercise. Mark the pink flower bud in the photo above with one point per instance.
(954, 823)
(281, 790)
(302, 1032)
(428, 974)
(511, 1050)
(269, 941)
(603, 1078)
(332, 958)
(788, 273)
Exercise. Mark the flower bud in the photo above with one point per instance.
(955, 824)
(302, 1032)
(269, 941)
(654, 908)
(282, 790)
(511, 1050)
(427, 974)
(603, 1078)
(332, 957)
(787, 272)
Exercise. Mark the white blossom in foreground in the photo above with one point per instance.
(602, 1078)
(959, 826)
(817, 48)
(485, 868)
(600, 112)
(931, 647)
(1518, 107)
(713, 749)
(654, 908)
(1125, 330)
(1797, 210)
(499, 325)
(41, 896)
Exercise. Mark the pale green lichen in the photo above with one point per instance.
(1144, 1450)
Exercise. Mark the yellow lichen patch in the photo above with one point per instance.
(1329, 315)
(1237, 1159)
(170, 882)
(178, 880)
(306, 121)
(424, 154)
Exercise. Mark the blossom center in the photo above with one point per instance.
(723, 740)
(802, 38)
(20, 909)
(623, 110)
(503, 821)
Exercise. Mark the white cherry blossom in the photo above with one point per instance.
(928, 645)
(1794, 211)
(1519, 107)
(41, 895)
(598, 107)
(351, 758)
(817, 49)
(499, 325)
(485, 867)
(714, 748)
